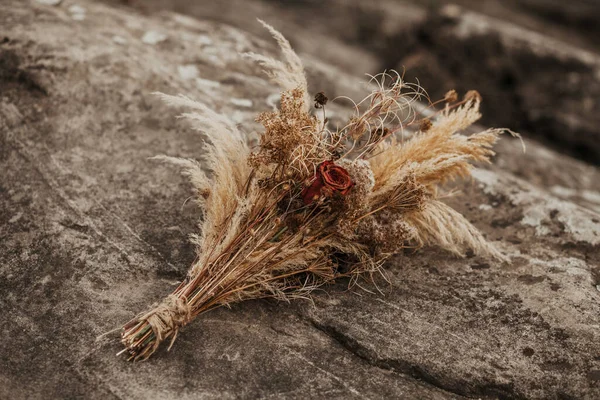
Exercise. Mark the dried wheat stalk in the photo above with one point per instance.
(274, 217)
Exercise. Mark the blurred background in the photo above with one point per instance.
(536, 62)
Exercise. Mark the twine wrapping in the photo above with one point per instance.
(166, 319)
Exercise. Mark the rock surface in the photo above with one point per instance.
(92, 233)
(541, 86)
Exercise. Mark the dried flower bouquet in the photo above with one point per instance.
(279, 220)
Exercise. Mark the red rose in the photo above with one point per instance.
(330, 178)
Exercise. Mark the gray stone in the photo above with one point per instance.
(542, 86)
(92, 232)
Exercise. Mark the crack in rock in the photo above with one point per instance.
(454, 385)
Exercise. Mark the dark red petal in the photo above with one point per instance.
(309, 192)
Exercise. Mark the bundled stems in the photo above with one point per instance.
(275, 220)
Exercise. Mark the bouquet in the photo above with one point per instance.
(311, 204)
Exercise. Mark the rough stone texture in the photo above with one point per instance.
(91, 232)
(542, 86)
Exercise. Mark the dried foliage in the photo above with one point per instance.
(276, 219)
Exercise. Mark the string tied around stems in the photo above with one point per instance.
(163, 320)
(170, 315)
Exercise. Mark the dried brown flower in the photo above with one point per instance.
(320, 100)
(451, 96)
(385, 233)
(425, 125)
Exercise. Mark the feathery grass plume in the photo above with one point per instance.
(289, 74)
(277, 220)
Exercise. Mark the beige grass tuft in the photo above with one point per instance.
(289, 74)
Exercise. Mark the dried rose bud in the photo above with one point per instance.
(330, 179)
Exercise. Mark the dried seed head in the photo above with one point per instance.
(320, 100)
(385, 232)
(472, 95)
(289, 137)
(256, 159)
(451, 96)
(425, 125)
